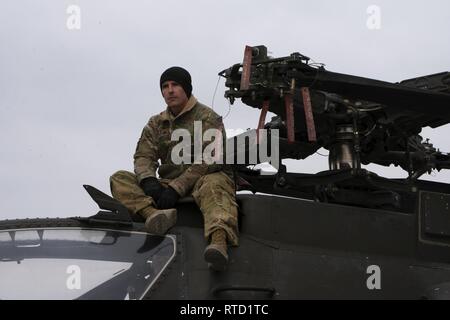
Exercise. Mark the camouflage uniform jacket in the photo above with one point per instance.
(155, 144)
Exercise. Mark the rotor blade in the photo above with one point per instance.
(391, 94)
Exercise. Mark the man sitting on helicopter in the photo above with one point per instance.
(211, 185)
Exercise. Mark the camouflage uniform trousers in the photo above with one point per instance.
(213, 193)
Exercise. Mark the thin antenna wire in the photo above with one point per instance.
(214, 97)
(215, 91)
(229, 109)
(320, 154)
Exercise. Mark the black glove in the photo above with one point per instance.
(152, 188)
(168, 199)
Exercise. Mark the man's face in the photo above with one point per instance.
(174, 96)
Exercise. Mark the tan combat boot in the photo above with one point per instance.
(216, 252)
(159, 221)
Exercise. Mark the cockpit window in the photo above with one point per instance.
(78, 263)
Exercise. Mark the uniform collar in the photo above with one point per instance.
(167, 115)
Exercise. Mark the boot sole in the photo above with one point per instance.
(161, 222)
(215, 258)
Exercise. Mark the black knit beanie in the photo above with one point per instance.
(180, 76)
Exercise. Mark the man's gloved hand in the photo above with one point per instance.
(152, 188)
(168, 199)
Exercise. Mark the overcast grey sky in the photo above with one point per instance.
(73, 102)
